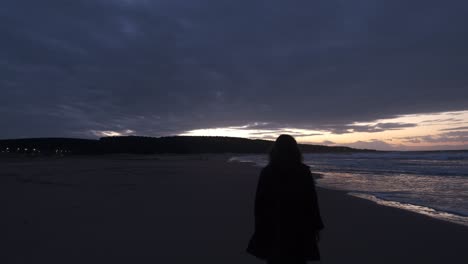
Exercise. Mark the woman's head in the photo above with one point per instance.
(285, 151)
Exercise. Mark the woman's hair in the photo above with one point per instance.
(285, 151)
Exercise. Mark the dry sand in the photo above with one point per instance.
(186, 209)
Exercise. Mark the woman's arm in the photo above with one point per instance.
(313, 203)
(259, 206)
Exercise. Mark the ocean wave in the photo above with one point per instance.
(435, 181)
(454, 217)
(402, 155)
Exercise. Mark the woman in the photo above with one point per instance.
(287, 217)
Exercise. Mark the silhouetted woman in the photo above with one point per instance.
(287, 217)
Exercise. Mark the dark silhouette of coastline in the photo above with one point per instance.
(152, 145)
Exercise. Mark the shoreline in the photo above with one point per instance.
(179, 209)
(381, 205)
(447, 216)
(450, 217)
(386, 234)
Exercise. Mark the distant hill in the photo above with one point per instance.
(152, 145)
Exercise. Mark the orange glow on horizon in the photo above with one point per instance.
(426, 131)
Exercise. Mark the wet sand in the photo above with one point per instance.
(186, 209)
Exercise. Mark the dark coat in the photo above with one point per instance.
(287, 216)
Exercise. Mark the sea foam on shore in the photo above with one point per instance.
(429, 183)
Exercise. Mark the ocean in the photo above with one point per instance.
(430, 183)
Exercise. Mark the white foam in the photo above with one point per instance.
(458, 219)
(437, 180)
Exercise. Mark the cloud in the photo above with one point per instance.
(437, 144)
(166, 67)
(443, 138)
(253, 130)
(97, 133)
(375, 144)
(442, 120)
(455, 128)
(379, 127)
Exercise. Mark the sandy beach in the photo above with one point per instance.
(186, 209)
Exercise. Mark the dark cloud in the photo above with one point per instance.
(413, 140)
(442, 120)
(455, 128)
(444, 142)
(447, 137)
(69, 68)
(379, 127)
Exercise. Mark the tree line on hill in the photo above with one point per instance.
(152, 145)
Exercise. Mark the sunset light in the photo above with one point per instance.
(444, 130)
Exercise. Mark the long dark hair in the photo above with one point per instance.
(285, 151)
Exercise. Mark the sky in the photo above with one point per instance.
(382, 74)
